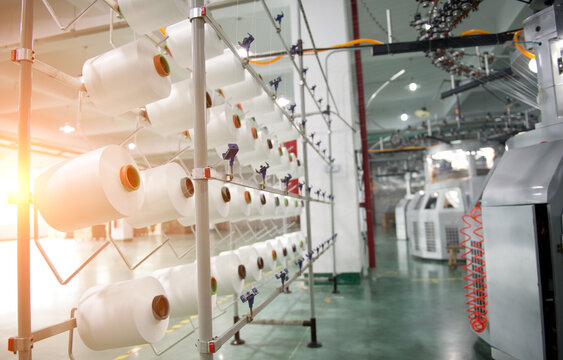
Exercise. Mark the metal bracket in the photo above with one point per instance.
(22, 54)
(197, 12)
(206, 347)
(16, 344)
(201, 173)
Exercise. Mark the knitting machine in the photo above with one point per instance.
(518, 304)
(455, 175)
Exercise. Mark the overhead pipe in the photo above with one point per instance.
(446, 43)
(368, 204)
(413, 46)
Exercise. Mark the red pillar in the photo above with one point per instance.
(368, 204)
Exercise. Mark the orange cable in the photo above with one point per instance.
(353, 42)
(474, 31)
(519, 47)
(267, 62)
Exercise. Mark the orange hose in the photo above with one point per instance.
(268, 62)
(353, 42)
(519, 47)
(358, 41)
(474, 31)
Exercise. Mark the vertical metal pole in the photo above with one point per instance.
(313, 343)
(24, 278)
(508, 116)
(389, 28)
(237, 340)
(334, 277)
(203, 252)
(457, 108)
(285, 231)
(486, 61)
(368, 203)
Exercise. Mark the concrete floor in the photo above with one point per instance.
(405, 309)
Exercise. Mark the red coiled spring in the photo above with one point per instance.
(475, 267)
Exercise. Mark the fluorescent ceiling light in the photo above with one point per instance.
(131, 146)
(404, 116)
(401, 72)
(394, 77)
(413, 86)
(67, 129)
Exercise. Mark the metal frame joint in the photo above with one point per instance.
(201, 173)
(22, 54)
(16, 344)
(197, 12)
(206, 347)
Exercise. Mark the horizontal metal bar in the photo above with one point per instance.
(447, 43)
(280, 322)
(244, 320)
(71, 81)
(53, 330)
(268, 189)
(406, 148)
(497, 75)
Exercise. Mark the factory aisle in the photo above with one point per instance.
(406, 309)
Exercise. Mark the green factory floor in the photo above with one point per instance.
(405, 309)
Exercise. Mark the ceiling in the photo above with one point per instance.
(55, 104)
(385, 110)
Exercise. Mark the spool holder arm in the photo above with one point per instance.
(220, 340)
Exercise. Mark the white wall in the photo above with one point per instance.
(328, 21)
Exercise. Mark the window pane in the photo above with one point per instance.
(431, 202)
(452, 199)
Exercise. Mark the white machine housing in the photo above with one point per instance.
(449, 193)
(413, 208)
(401, 218)
(522, 217)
